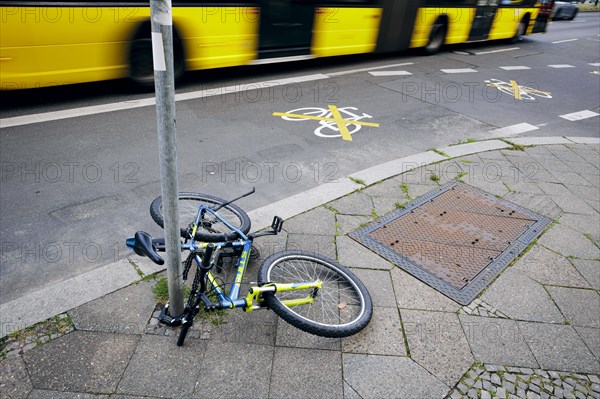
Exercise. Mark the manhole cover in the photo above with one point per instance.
(456, 238)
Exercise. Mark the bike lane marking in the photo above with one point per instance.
(336, 118)
(520, 93)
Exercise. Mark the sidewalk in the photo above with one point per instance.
(534, 332)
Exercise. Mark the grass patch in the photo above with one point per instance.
(442, 153)
(461, 175)
(435, 178)
(467, 141)
(357, 181)
(161, 294)
(399, 205)
(516, 147)
(161, 290)
(589, 237)
(149, 277)
(404, 188)
(330, 208)
(137, 269)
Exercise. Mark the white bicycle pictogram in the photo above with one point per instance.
(518, 91)
(329, 127)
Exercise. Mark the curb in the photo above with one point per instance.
(71, 293)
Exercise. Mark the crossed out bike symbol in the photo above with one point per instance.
(518, 91)
(333, 122)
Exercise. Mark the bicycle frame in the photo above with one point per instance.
(253, 300)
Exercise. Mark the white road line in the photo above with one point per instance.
(514, 67)
(497, 51)
(561, 66)
(282, 59)
(565, 41)
(513, 129)
(576, 116)
(75, 112)
(459, 70)
(145, 102)
(594, 64)
(390, 73)
(368, 69)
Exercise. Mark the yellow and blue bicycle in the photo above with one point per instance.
(309, 291)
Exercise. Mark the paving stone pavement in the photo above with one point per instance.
(534, 332)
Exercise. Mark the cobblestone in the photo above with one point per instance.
(524, 383)
(36, 335)
(200, 329)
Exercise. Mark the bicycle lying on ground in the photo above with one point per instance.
(309, 291)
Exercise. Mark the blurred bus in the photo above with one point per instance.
(47, 43)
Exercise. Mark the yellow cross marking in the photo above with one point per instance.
(337, 118)
(516, 89)
(341, 123)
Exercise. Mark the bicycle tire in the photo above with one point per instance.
(181, 338)
(343, 299)
(188, 209)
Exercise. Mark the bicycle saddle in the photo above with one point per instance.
(142, 245)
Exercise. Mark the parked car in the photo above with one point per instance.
(564, 10)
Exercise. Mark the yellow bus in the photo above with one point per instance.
(47, 43)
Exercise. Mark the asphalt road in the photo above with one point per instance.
(74, 187)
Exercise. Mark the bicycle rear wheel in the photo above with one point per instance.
(342, 307)
(212, 229)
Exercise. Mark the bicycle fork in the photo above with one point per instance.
(198, 294)
(255, 294)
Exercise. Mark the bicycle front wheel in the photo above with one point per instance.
(341, 307)
(212, 229)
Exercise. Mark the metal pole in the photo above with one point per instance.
(164, 82)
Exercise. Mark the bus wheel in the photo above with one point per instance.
(141, 64)
(436, 38)
(520, 30)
